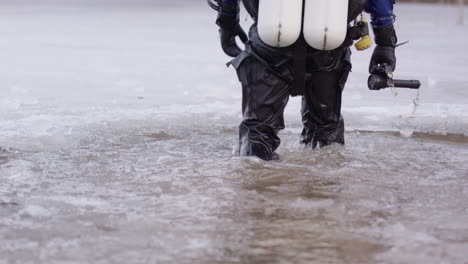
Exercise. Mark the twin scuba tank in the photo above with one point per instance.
(324, 23)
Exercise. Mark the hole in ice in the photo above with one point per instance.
(449, 137)
(425, 136)
(3, 158)
(107, 229)
(162, 136)
(8, 204)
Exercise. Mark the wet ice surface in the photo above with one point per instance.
(118, 137)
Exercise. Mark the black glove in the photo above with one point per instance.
(384, 53)
(229, 28)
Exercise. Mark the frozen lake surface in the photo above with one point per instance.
(118, 130)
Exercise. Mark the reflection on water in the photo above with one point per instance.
(158, 195)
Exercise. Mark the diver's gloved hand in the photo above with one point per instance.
(229, 28)
(384, 53)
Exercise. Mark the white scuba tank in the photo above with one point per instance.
(324, 24)
(279, 21)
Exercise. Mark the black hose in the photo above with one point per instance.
(213, 5)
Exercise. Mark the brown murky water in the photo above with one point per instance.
(176, 194)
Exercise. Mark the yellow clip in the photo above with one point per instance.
(365, 43)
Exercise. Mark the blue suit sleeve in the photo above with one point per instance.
(381, 12)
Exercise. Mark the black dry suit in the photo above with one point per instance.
(269, 75)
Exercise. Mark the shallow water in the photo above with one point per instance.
(118, 136)
(162, 193)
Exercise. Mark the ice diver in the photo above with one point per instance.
(270, 75)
